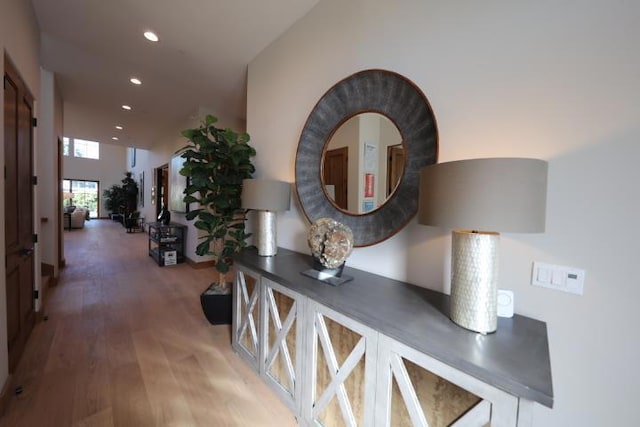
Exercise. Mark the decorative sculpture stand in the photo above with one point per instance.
(331, 244)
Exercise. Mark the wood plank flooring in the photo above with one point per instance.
(126, 344)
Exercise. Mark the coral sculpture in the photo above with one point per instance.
(330, 242)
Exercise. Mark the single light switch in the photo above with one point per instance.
(558, 277)
(544, 275)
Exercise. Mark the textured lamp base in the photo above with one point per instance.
(266, 240)
(474, 280)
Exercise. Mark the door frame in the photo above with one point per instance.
(59, 236)
(393, 178)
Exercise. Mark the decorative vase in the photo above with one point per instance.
(165, 216)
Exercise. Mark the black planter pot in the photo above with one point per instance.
(216, 306)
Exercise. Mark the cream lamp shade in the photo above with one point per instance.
(499, 194)
(266, 197)
(478, 198)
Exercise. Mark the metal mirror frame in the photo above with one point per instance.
(395, 97)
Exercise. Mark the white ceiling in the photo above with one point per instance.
(95, 46)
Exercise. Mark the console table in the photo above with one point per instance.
(380, 352)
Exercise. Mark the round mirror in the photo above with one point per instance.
(362, 163)
(405, 106)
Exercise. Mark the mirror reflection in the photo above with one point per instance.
(363, 163)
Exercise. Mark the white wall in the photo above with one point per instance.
(389, 135)
(108, 170)
(19, 39)
(49, 131)
(553, 80)
(369, 138)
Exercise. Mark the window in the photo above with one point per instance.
(80, 148)
(86, 149)
(81, 193)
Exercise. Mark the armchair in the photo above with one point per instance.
(78, 216)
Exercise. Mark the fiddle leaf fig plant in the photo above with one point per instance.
(122, 198)
(216, 162)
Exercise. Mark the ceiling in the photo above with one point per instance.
(95, 46)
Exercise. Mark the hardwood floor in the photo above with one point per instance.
(126, 344)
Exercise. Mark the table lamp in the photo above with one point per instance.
(266, 197)
(479, 198)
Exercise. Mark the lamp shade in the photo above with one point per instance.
(266, 195)
(497, 194)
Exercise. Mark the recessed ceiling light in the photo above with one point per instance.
(126, 107)
(119, 127)
(151, 36)
(135, 81)
(115, 138)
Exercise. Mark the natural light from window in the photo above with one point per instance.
(86, 149)
(83, 193)
(80, 148)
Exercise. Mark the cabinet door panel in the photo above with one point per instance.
(340, 373)
(246, 302)
(417, 390)
(282, 341)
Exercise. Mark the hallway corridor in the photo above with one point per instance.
(126, 343)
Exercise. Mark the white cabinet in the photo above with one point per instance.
(267, 331)
(339, 369)
(415, 389)
(281, 335)
(355, 376)
(381, 353)
(333, 371)
(245, 320)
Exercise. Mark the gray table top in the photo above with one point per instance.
(514, 359)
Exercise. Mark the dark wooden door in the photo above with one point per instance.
(395, 167)
(18, 203)
(335, 172)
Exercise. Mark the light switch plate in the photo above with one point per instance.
(558, 277)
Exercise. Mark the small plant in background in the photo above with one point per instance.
(216, 162)
(113, 198)
(123, 198)
(130, 190)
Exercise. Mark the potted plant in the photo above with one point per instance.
(121, 200)
(113, 199)
(130, 193)
(216, 162)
